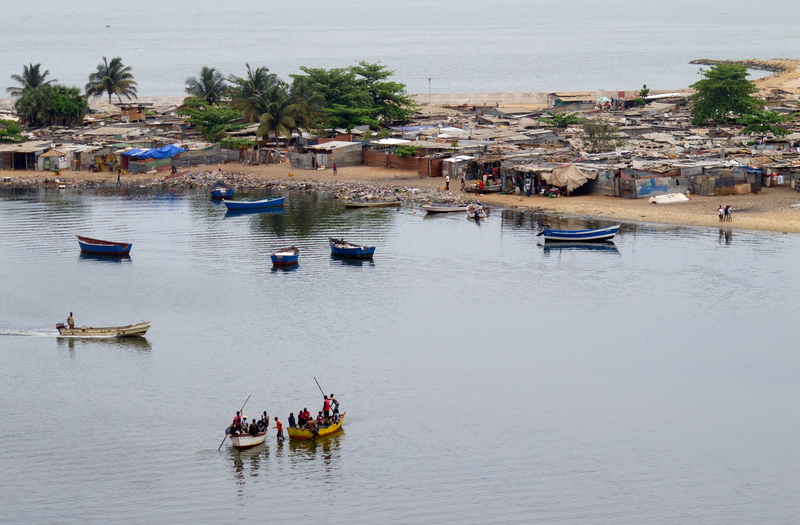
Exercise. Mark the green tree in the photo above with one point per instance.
(763, 123)
(52, 105)
(389, 99)
(32, 77)
(255, 91)
(209, 86)
(725, 90)
(212, 121)
(347, 103)
(599, 135)
(113, 78)
(279, 119)
(561, 120)
(10, 131)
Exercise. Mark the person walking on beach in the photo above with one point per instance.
(728, 213)
(721, 213)
(334, 169)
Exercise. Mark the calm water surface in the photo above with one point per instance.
(487, 379)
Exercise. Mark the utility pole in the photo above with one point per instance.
(430, 96)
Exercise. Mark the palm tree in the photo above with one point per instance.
(279, 118)
(113, 78)
(31, 78)
(210, 86)
(253, 93)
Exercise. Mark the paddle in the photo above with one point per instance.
(240, 413)
(320, 388)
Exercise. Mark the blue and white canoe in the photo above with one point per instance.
(254, 204)
(221, 193)
(341, 248)
(98, 247)
(594, 235)
(286, 256)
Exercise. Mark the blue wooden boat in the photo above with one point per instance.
(221, 193)
(341, 248)
(593, 235)
(98, 247)
(254, 204)
(285, 257)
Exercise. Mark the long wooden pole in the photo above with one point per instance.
(320, 388)
(240, 413)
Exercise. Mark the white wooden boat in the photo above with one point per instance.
(375, 204)
(475, 211)
(443, 208)
(138, 329)
(247, 440)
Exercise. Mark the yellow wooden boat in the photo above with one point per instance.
(306, 435)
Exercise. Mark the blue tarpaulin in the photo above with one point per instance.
(158, 153)
(132, 152)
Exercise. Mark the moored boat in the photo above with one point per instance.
(254, 204)
(285, 256)
(443, 208)
(100, 247)
(303, 434)
(590, 235)
(247, 440)
(221, 192)
(131, 330)
(475, 211)
(341, 248)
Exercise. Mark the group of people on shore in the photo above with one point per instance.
(725, 214)
(329, 415)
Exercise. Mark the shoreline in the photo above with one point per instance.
(771, 210)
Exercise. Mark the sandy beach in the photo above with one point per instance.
(770, 210)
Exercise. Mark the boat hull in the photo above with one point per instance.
(430, 208)
(594, 235)
(340, 248)
(301, 434)
(99, 247)
(254, 205)
(247, 440)
(131, 330)
(285, 257)
(475, 211)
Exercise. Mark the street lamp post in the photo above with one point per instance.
(430, 96)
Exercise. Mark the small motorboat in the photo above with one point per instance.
(98, 247)
(592, 235)
(304, 434)
(254, 204)
(131, 330)
(286, 256)
(341, 248)
(443, 208)
(475, 211)
(221, 192)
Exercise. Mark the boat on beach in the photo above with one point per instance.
(475, 211)
(303, 434)
(443, 208)
(254, 204)
(100, 247)
(131, 330)
(285, 256)
(342, 248)
(591, 235)
(377, 204)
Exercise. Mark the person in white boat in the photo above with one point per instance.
(70, 321)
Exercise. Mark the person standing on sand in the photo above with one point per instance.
(721, 213)
(447, 182)
(334, 169)
(728, 213)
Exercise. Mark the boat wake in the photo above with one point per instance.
(28, 333)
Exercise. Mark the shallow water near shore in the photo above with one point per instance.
(486, 378)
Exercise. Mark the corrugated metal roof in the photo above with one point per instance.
(26, 147)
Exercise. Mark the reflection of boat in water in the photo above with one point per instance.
(608, 247)
(140, 344)
(591, 235)
(104, 258)
(375, 204)
(302, 434)
(257, 211)
(131, 330)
